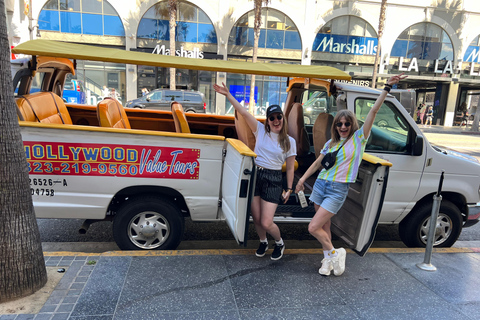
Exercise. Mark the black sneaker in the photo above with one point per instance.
(262, 249)
(277, 252)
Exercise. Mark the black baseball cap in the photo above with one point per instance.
(274, 108)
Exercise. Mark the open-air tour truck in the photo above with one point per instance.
(147, 170)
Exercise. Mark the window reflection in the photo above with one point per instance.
(426, 41)
(193, 25)
(95, 17)
(277, 31)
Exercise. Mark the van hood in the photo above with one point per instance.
(455, 154)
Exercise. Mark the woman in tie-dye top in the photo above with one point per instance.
(331, 187)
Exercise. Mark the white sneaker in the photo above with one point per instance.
(339, 262)
(326, 268)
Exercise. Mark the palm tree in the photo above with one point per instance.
(21, 259)
(381, 24)
(172, 13)
(256, 35)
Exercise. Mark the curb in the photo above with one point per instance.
(208, 252)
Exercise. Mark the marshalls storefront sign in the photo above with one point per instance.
(195, 53)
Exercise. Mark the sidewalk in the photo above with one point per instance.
(234, 284)
(451, 130)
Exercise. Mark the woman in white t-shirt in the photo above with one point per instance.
(273, 147)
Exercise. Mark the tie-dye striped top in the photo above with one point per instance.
(348, 159)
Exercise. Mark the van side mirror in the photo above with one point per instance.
(417, 149)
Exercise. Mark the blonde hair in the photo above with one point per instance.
(349, 117)
(283, 139)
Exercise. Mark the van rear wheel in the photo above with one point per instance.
(148, 223)
(414, 228)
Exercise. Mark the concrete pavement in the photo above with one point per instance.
(234, 284)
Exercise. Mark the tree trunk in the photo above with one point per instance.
(381, 24)
(251, 104)
(256, 35)
(22, 267)
(172, 9)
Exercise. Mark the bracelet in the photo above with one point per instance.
(387, 88)
(289, 189)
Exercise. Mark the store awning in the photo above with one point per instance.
(94, 53)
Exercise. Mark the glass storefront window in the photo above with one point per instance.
(92, 6)
(96, 17)
(95, 75)
(193, 25)
(70, 22)
(426, 41)
(268, 90)
(92, 23)
(70, 5)
(277, 31)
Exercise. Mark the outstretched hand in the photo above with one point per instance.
(396, 79)
(222, 90)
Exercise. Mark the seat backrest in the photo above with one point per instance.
(44, 107)
(179, 118)
(111, 114)
(321, 131)
(244, 133)
(296, 129)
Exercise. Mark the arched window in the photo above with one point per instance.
(95, 17)
(346, 35)
(473, 51)
(277, 31)
(193, 25)
(425, 41)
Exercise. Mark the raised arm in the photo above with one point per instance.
(251, 121)
(367, 125)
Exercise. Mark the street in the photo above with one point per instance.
(218, 234)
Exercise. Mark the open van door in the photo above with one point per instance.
(238, 185)
(357, 220)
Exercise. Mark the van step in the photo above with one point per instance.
(295, 211)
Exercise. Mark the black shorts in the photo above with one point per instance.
(269, 185)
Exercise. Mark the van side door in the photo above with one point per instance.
(357, 220)
(169, 97)
(238, 181)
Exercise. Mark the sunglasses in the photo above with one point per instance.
(340, 124)
(279, 117)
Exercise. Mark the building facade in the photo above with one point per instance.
(435, 42)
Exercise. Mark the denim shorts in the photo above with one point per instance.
(269, 185)
(329, 195)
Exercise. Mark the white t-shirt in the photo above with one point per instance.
(269, 153)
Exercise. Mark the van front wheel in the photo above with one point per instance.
(148, 223)
(414, 228)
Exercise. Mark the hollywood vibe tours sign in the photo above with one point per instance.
(111, 160)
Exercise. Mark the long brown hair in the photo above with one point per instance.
(349, 117)
(283, 139)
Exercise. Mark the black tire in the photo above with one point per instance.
(414, 228)
(148, 223)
